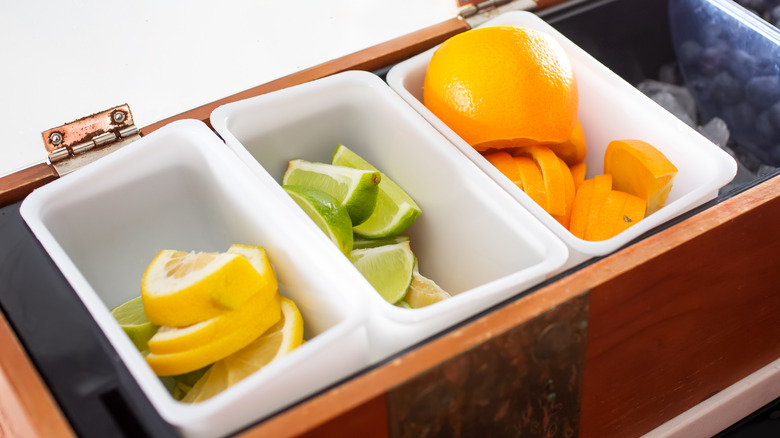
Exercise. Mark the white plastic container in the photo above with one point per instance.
(471, 238)
(181, 188)
(609, 109)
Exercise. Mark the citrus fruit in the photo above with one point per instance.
(388, 268)
(423, 292)
(395, 209)
(403, 304)
(505, 164)
(633, 211)
(608, 214)
(329, 215)
(183, 288)
(602, 185)
(641, 170)
(131, 317)
(259, 260)
(200, 356)
(362, 243)
(578, 173)
(531, 180)
(276, 342)
(552, 174)
(569, 192)
(581, 207)
(573, 150)
(503, 86)
(177, 339)
(355, 189)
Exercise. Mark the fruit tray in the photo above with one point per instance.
(611, 341)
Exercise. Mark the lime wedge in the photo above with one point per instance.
(395, 209)
(423, 292)
(403, 304)
(326, 212)
(131, 317)
(388, 268)
(362, 243)
(355, 189)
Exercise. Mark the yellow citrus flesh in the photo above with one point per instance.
(170, 340)
(258, 258)
(198, 357)
(283, 337)
(180, 288)
(424, 292)
(503, 86)
(640, 169)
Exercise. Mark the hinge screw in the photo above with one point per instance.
(55, 138)
(118, 116)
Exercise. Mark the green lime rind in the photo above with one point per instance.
(355, 189)
(395, 210)
(131, 317)
(363, 243)
(403, 304)
(388, 268)
(327, 212)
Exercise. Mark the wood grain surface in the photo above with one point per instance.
(27, 409)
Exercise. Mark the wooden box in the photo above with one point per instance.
(616, 346)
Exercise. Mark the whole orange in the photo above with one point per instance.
(503, 86)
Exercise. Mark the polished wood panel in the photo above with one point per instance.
(14, 187)
(696, 318)
(26, 407)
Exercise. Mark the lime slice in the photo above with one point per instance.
(403, 304)
(326, 212)
(355, 189)
(283, 337)
(423, 292)
(131, 317)
(395, 209)
(362, 243)
(388, 268)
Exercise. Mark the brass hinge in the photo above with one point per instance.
(78, 143)
(479, 12)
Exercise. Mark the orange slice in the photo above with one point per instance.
(609, 213)
(569, 193)
(578, 173)
(602, 187)
(550, 166)
(633, 212)
(580, 208)
(573, 150)
(531, 180)
(505, 164)
(641, 170)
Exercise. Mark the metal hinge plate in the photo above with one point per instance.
(78, 143)
(478, 12)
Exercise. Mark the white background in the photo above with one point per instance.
(65, 59)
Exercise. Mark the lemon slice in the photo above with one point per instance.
(258, 258)
(131, 317)
(395, 210)
(169, 340)
(423, 292)
(355, 189)
(181, 288)
(331, 217)
(283, 337)
(195, 358)
(388, 268)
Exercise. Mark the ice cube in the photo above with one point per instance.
(670, 103)
(683, 96)
(716, 131)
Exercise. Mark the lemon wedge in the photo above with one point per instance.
(169, 340)
(192, 359)
(423, 292)
(283, 337)
(181, 288)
